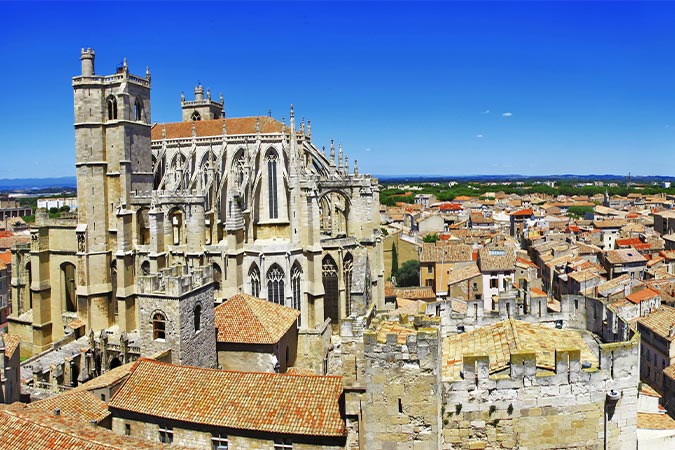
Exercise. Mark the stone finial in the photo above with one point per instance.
(147, 73)
(292, 112)
(222, 101)
(340, 157)
(208, 94)
(332, 153)
(356, 167)
(323, 150)
(182, 96)
(224, 128)
(346, 164)
(309, 128)
(124, 63)
(163, 132)
(302, 125)
(283, 121)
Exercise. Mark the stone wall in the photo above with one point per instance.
(402, 403)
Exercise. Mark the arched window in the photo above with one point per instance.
(217, 277)
(158, 326)
(331, 300)
(272, 184)
(254, 278)
(275, 285)
(347, 268)
(68, 287)
(145, 268)
(296, 278)
(138, 109)
(196, 116)
(198, 317)
(111, 104)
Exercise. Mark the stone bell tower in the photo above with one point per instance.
(113, 159)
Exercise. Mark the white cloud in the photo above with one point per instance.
(507, 114)
(479, 136)
(487, 111)
(368, 149)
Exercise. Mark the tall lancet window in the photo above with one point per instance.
(275, 285)
(296, 278)
(111, 104)
(254, 278)
(138, 110)
(272, 184)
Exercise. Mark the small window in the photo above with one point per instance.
(198, 317)
(494, 283)
(158, 326)
(138, 110)
(219, 441)
(196, 116)
(111, 104)
(166, 435)
(127, 429)
(430, 269)
(283, 444)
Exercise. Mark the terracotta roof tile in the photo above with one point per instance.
(110, 378)
(78, 404)
(656, 421)
(491, 260)
(12, 342)
(642, 295)
(415, 293)
(660, 322)
(266, 402)
(244, 319)
(234, 126)
(22, 428)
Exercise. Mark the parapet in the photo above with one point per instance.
(175, 281)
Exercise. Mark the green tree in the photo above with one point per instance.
(394, 260)
(409, 274)
(431, 237)
(579, 211)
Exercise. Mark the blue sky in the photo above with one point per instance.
(437, 88)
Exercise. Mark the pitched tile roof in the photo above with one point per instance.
(266, 402)
(492, 260)
(462, 274)
(609, 223)
(660, 321)
(244, 319)
(22, 428)
(655, 421)
(234, 126)
(624, 256)
(642, 295)
(78, 404)
(445, 253)
(108, 379)
(12, 342)
(415, 293)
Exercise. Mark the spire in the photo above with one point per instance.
(182, 96)
(356, 167)
(302, 125)
(292, 119)
(346, 164)
(208, 94)
(332, 153)
(309, 128)
(147, 73)
(124, 64)
(323, 150)
(222, 102)
(194, 128)
(224, 128)
(163, 131)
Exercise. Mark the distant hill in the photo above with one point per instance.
(515, 177)
(37, 183)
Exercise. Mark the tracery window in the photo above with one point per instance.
(254, 278)
(329, 277)
(296, 277)
(275, 285)
(347, 269)
(196, 116)
(272, 184)
(111, 104)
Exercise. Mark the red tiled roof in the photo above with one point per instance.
(526, 262)
(234, 126)
(266, 402)
(244, 319)
(78, 404)
(523, 212)
(641, 296)
(450, 207)
(22, 428)
(12, 342)
(628, 242)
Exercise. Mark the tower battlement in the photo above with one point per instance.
(175, 281)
